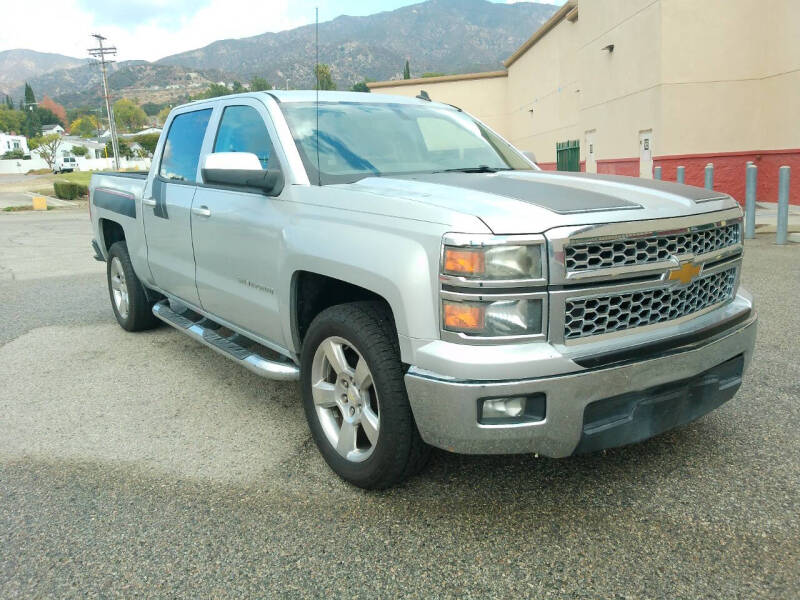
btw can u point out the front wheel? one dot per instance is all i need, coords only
(355, 398)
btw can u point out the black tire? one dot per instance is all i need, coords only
(399, 451)
(140, 310)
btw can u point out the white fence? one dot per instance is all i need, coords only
(84, 164)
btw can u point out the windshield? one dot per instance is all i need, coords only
(359, 140)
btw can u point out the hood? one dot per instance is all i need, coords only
(535, 201)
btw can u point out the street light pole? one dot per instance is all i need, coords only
(100, 54)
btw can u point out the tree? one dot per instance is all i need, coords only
(361, 86)
(30, 98)
(85, 126)
(124, 150)
(12, 154)
(324, 81)
(47, 147)
(148, 141)
(9, 103)
(128, 115)
(32, 125)
(80, 150)
(11, 121)
(215, 90)
(407, 71)
(55, 108)
(163, 114)
(259, 84)
(238, 88)
(46, 116)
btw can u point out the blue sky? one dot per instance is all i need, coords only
(151, 29)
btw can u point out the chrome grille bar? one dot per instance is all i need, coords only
(611, 313)
(643, 250)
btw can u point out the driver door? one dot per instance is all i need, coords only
(237, 232)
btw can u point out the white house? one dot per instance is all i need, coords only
(70, 142)
(52, 128)
(10, 142)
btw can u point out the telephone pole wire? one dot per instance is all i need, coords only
(100, 53)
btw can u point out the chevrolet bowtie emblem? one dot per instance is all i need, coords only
(685, 273)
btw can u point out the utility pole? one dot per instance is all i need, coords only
(100, 54)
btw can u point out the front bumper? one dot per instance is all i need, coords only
(640, 399)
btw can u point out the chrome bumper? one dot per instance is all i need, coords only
(446, 409)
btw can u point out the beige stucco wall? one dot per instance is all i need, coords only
(706, 76)
(484, 98)
(543, 93)
(727, 81)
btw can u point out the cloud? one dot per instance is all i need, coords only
(140, 29)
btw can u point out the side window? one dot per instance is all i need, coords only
(242, 129)
(183, 145)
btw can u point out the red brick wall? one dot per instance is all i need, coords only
(551, 166)
(729, 171)
(619, 166)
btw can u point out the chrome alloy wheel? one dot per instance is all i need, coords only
(345, 399)
(119, 288)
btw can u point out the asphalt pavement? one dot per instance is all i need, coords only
(145, 465)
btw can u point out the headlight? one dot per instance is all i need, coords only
(499, 262)
(493, 318)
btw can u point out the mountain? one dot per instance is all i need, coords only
(450, 36)
(17, 66)
(147, 82)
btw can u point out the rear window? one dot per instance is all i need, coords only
(182, 148)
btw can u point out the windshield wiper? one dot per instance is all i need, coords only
(478, 169)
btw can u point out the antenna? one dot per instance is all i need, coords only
(316, 72)
(100, 54)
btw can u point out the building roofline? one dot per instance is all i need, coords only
(442, 78)
(557, 17)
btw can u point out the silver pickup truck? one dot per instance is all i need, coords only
(424, 281)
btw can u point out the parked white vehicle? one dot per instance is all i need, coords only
(66, 164)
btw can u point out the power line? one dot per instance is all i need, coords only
(100, 53)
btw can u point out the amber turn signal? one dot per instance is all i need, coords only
(459, 316)
(462, 261)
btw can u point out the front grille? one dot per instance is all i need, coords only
(605, 314)
(627, 252)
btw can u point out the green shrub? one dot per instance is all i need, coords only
(66, 190)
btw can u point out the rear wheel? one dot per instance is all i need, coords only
(128, 299)
(355, 398)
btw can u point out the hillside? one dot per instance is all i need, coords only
(17, 66)
(451, 36)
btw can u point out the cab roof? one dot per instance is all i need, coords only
(288, 96)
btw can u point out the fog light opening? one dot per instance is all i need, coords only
(511, 410)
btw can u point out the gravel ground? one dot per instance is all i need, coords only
(139, 465)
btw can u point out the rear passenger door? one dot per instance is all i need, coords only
(167, 204)
(237, 239)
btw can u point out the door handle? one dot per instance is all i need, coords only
(201, 211)
(149, 201)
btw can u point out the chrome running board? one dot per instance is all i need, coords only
(203, 331)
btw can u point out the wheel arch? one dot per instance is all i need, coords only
(111, 232)
(312, 292)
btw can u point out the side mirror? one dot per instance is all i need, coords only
(241, 169)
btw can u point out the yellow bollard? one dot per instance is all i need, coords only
(39, 203)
